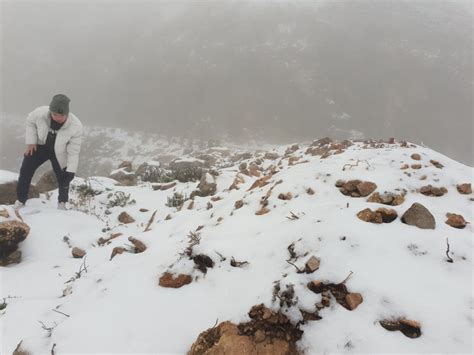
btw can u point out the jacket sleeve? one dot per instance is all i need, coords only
(31, 134)
(73, 149)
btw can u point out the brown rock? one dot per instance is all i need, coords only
(312, 264)
(353, 300)
(433, 191)
(386, 199)
(168, 217)
(419, 216)
(191, 205)
(367, 215)
(388, 214)
(47, 182)
(125, 218)
(356, 188)
(261, 182)
(254, 170)
(206, 187)
(262, 211)
(117, 250)
(12, 258)
(126, 165)
(238, 204)
(4, 213)
(437, 164)
(78, 253)
(237, 181)
(464, 189)
(140, 247)
(416, 166)
(416, 156)
(143, 210)
(8, 193)
(287, 196)
(124, 177)
(271, 156)
(169, 280)
(12, 233)
(310, 191)
(404, 167)
(455, 220)
(409, 328)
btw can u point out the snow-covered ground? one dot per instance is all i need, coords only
(117, 306)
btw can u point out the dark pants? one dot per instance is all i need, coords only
(33, 162)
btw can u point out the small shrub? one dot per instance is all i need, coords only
(177, 200)
(120, 199)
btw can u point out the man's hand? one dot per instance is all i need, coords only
(30, 149)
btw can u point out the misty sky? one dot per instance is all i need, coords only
(284, 71)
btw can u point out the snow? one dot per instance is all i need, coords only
(118, 306)
(7, 176)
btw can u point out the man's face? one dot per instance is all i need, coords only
(58, 117)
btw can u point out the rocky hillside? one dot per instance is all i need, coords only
(352, 246)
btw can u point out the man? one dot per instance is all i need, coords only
(52, 133)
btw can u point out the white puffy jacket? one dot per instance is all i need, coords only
(68, 139)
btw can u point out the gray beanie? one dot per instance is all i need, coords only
(60, 104)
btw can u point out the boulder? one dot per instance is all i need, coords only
(419, 216)
(12, 233)
(186, 170)
(8, 192)
(47, 182)
(126, 166)
(267, 333)
(150, 172)
(124, 177)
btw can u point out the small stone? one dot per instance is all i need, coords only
(125, 218)
(143, 210)
(416, 166)
(455, 220)
(464, 189)
(287, 196)
(117, 250)
(353, 300)
(140, 247)
(78, 253)
(437, 164)
(4, 213)
(238, 204)
(312, 264)
(416, 156)
(404, 167)
(170, 281)
(310, 191)
(262, 211)
(168, 217)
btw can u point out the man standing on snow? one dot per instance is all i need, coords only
(52, 133)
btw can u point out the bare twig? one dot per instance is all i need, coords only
(356, 164)
(450, 260)
(150, 222)
(235, 263)
(52, 349)
(297, 268)
(223, 258)
(48, 329)
(64, 314)
(347, 278)
(79, 273)
(292, 216)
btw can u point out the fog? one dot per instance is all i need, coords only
(282, 71)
